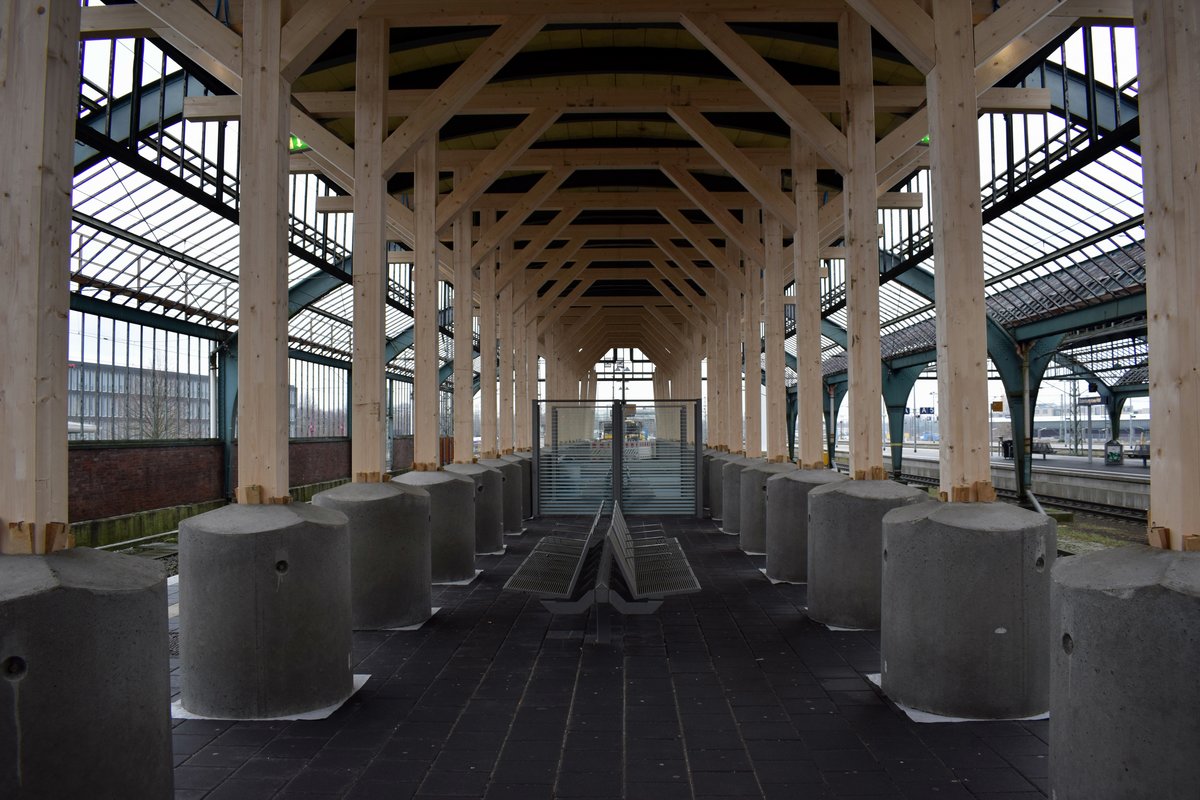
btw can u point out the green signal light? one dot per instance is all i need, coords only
(925, 139)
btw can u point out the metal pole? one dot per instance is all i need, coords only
(618, 445)
(1089, 408)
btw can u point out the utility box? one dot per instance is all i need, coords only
(1114, 453)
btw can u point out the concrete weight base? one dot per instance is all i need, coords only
(753, 505)
(716, 484)
(489, 505)
(966, 604)
(731, 492)
(1123, 689)
(264, 595)
(451, 523)
(512, 481)
(845, 542)
(84, 677)
(525, 459)
(388, 525)
(787, 521)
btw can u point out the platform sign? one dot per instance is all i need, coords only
(1090, 400)
(926, 410)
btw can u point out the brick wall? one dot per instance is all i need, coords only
(108, 480)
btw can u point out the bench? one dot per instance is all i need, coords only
(554, 568)
(1041, 447)
(651, 568)
(1141, 451)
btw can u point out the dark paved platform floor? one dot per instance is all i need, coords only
(729, 693)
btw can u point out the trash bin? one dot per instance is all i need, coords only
(1006, 447)
(1114, 453)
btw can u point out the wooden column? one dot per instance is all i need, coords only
(862, 248)
(425, 307)
(368, 441)
(506, 382)
(773, 283)
(521, 410)
(810, 394)
(752, 341)
(39, 83)
(965, 466)
(488, 416)
(1168, 41)
(711, 432)
(464, 314)
(262, 284)
(734, 419)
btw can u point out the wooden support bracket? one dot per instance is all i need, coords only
(370, 477)
(1191, 543)
(1160, 537)
(425, 467)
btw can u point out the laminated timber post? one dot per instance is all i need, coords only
(965, 467)
(1168, 41)
(810, 394)
(464, 308)
(862, 248)
(488, 415)
(752, 341)
(39, 73)
(262, 285)
(733, 364)
(504, 341)
(425, 302)
(773, 283)
(369, 430)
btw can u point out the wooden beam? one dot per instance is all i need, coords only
(1008, 23)
(368, 388)
(1168, 42)
(111, 22)
(536, 245)
(425, 307)
(470, 76)
(903, 23)
(773, 283)
(716, 211)
(563, 303)
(528, 203)
(313, 29)
(862, 246)
(958, 239)
(752, 296)
(464, 411)
(810, 395)
(504, 341)
(561, 279)
(262, 290)
(733, 364)
(201, 37)
(505, 100)
(730, 158)
(712, 253)
(493, 12)
(495, 163)
(681, 304)
(39, 84)
(793, 107)
(535, 279)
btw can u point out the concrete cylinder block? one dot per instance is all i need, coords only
(388, 525)
(489, 505)
(264, 611)
(753, 504)
(526, 462)
(716, 486)
(787, 521)
(966, 609)
(512, 481)
(1123, 688)
(731, 492)
(451, 523)
(85, 696)
(845, 540)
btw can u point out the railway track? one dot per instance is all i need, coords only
(1099, 509)
(156, 546)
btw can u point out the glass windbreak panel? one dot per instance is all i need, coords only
(658, 464)
(575, 457)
